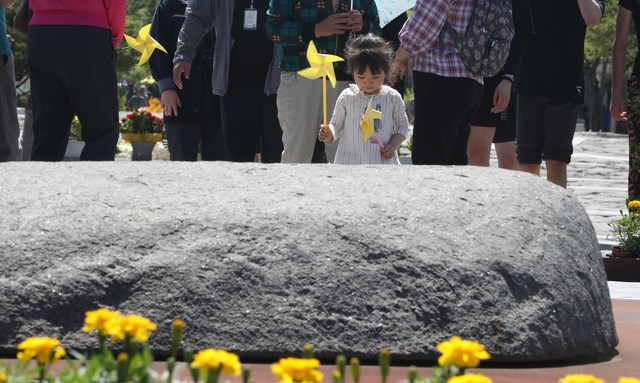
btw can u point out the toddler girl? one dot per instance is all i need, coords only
(368, 58)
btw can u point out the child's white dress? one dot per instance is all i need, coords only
(345, 125)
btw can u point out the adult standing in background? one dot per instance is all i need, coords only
(9, 126)
(446, 92)
(293, 24)
(139, 98)
(551, 85)
(495, 119)
(71, 49)
(390, 33)
(628, 11)
(192, 114)
(244, 73)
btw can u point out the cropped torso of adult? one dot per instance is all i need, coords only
(634, 6)
(553, 63)
(107, 14)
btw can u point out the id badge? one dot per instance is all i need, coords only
(250, 19)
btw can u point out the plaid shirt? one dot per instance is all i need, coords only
(291, 23)
(421, 33)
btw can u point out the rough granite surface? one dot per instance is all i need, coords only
(260, 259)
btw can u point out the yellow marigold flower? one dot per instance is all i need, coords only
(97, 320)
(470, 378)
(634, 205)
(178, 324)
(211, 359)
(3, 377)
(462, 353)
(580, 378)
(133, 326)
(298, 370)
(44, 349)
(624, 379)
(123, 357)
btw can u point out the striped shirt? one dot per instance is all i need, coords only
(421, 34)
(345, 124)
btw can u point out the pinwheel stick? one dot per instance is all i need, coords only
(324, 104)
(380, 144)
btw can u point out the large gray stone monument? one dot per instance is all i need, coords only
(261, 259)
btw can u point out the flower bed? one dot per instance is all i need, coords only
(134, 364)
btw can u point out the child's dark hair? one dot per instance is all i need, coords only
(368, 51)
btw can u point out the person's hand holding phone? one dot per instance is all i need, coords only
(355, 20)
(335, 24)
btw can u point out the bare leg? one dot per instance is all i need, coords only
(479, 145)
(530, 168)
(506, 152)
(557, 173)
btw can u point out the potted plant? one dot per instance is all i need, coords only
(143, 130)
(626, 230)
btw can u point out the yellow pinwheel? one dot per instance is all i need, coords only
(144, 43)
(321, 67)
(367, 124)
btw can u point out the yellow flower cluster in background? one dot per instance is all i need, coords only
(210, 360)
(580, 378)
(135, 365)
(118, 326)
(43, 349)
(297, 370)
(462, 353)
(132, 326)
(470, 378)
(178, 324)
(97, 320)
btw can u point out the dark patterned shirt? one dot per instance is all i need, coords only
(291, 23)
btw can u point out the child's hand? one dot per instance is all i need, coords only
(325, 135)
(388, 151)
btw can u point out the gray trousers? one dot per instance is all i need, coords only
(300, 113)
(9, 126)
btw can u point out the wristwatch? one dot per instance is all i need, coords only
(509, 77)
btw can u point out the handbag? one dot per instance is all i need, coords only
(22, 18)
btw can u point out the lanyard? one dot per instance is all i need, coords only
(251, 5)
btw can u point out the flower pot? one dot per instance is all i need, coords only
(619, 253)
(151, 137)
(132, 137)
(142, 151)
(624, 269)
